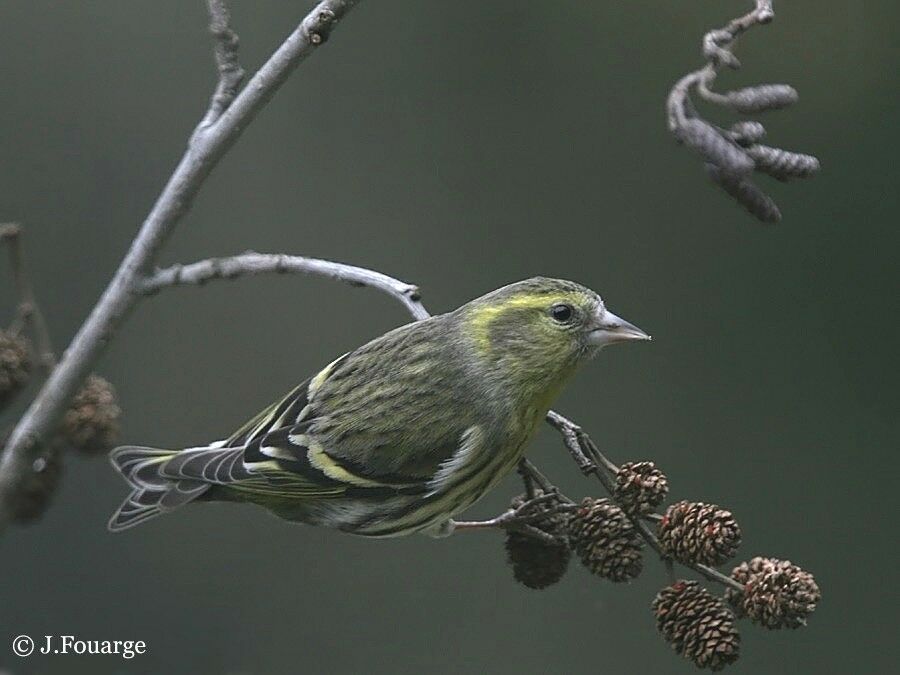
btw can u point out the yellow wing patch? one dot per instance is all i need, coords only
(319, 459)
(316, 383)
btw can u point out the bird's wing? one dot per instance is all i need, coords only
(386, 416)
(395, 410)
(238, 461)
(280, 413)
(292, 461)
(289, 410)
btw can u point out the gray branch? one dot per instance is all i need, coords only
(593, 462)
(731, 155)
(253, 264)
(226, 53)
(209, 143)
(717, 46)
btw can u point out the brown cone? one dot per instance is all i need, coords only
(777, 593)
(91, 424)
(535, 563)
(694, 532)
(605, 540)
(640, 487)
(697, 625)
(15, 364)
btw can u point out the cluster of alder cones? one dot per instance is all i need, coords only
(602, 533)
(90, 425)
(733, 156)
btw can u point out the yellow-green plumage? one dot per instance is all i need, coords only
(401, 434)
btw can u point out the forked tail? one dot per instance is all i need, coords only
(153, 493)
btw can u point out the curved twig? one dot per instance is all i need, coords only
(731, 156)
(717, 50)
(231, 75)
(253, 264)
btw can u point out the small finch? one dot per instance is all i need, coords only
(401, 434)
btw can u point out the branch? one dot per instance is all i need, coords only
(208, 145)
(523, 518)
(226, 53)
(717, 50)
(28, 311)
(731, 155)
(253, 264)
(592, 462)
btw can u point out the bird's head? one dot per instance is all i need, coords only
(543, 327)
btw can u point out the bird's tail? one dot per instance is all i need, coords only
(153, 493)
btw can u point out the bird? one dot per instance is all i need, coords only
(401, 434)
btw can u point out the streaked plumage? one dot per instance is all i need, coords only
(401, 434)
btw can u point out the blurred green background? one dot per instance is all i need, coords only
(463, 145)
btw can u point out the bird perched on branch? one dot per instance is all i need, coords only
(401, 434)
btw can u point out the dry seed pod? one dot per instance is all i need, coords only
(535, 563)
(762, 98)
(777, 593)
(782, 164)
(747, 194)
(605, 540)
(640, 487)
(15, 364)
(694, 532)
(712, 146)
(91, 424)
(697, 625)
(747, 132)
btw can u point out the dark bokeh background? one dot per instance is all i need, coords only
(463, 145)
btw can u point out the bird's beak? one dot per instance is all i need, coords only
(609, 329)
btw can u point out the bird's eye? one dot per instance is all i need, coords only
(562, 312)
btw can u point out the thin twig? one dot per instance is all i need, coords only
(717, 48)
(522, 518)
(670, 571)
(501, 522)
(586, 454)
(28, 311)
(208, 145)
(712, 574)
(226, 53)
(252, 264)
(591, 461)
(527, 479)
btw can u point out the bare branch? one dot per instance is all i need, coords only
(208, 145)
(717, 45)
(585, 452)
(226, 52)
(28, 311)
(591, 461)
(730, 155)
(252, 264)
(525, 517)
